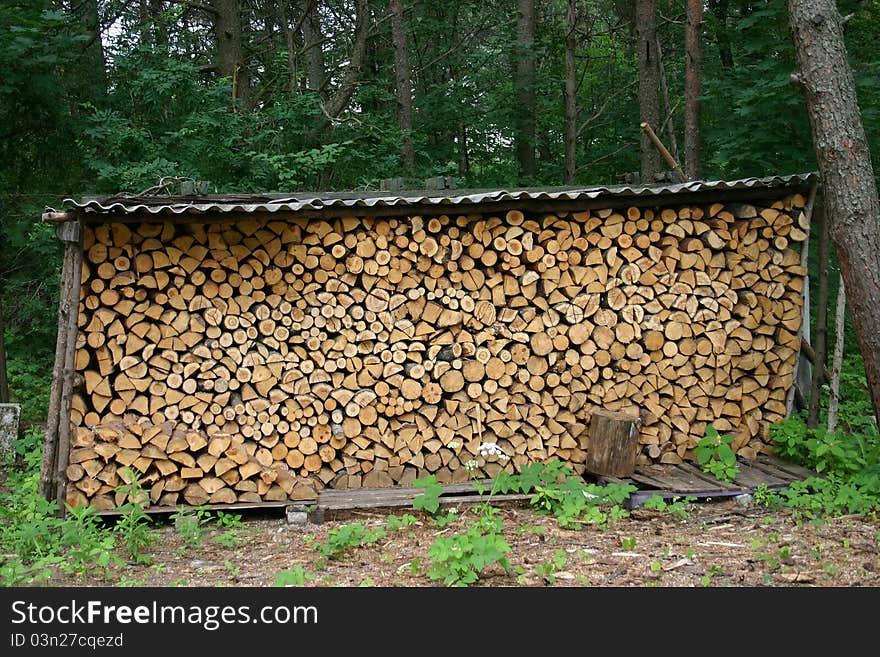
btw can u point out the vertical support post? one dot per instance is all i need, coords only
(819, 345)
(56, 446)
(803, 371)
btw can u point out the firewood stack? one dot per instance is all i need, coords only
(262, 360)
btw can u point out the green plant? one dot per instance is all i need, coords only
(558, 491)
(347, 537)
(548, 569)
(189, 525)
(628, 543)
(764, 496)
(656, 566)
(429, 499)
(133, 525)
(677, 506)
(296, 576)
(232, 569)
(460, 559)
(715, 455)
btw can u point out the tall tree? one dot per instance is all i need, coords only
(403, 83)
(571, 127)
(649, 83)
(230, 50)
(313, 44)
(524, 112)
(844, 160)
(693, 79)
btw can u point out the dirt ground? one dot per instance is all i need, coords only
(718, 544)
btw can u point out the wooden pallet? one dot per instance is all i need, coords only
(686, 480)
(400, 496)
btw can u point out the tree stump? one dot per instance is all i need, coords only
(613, 443)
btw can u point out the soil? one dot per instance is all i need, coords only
(718, 544)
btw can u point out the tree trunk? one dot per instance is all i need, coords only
(571, 127)
(4, 381)
(230, 52)
(402, 82)
(692, 76)
(649, 83)
(352, 75)
(524, 114)
(313, 37)
(853, 210)
(91, 81)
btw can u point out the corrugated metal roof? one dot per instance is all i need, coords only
(316, 201)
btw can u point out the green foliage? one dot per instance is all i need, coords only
(36, 542)
(429, 500)
(557, 491)
(763, 496)
(460, 559)
(677, 506)
(296, 576)
(133, 526)
(347, 537)
(715, 455)
(189, 525)
(548, 569)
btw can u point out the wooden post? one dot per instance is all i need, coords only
(4, 384)
(837, 362)
(614, 443)
(50, 441)
(56, 446)
(819, 343)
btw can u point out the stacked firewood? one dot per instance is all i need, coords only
(262, 360)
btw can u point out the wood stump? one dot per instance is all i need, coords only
(613, 444)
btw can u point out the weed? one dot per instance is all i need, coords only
(678, 506)
(765, 497)
(134, 524)
(460, 559)
(628, 543)
(429, 500)
(232, 569)
(548, 569)
(715, 455)
(347, 537)
(656, 566)
(556, 490)
(189, 525)
(366, 582)
(296, 576)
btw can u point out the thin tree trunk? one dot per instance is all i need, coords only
(837, 360)
(853, 209)
(670, 119)
(402, 82)
(820, 340)
(4, 381)
(649, 83)
(692, 88)
(571, 127)
(525, 91)
(464, 162)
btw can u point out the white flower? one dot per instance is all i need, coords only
(470, 465)
(453, 444)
